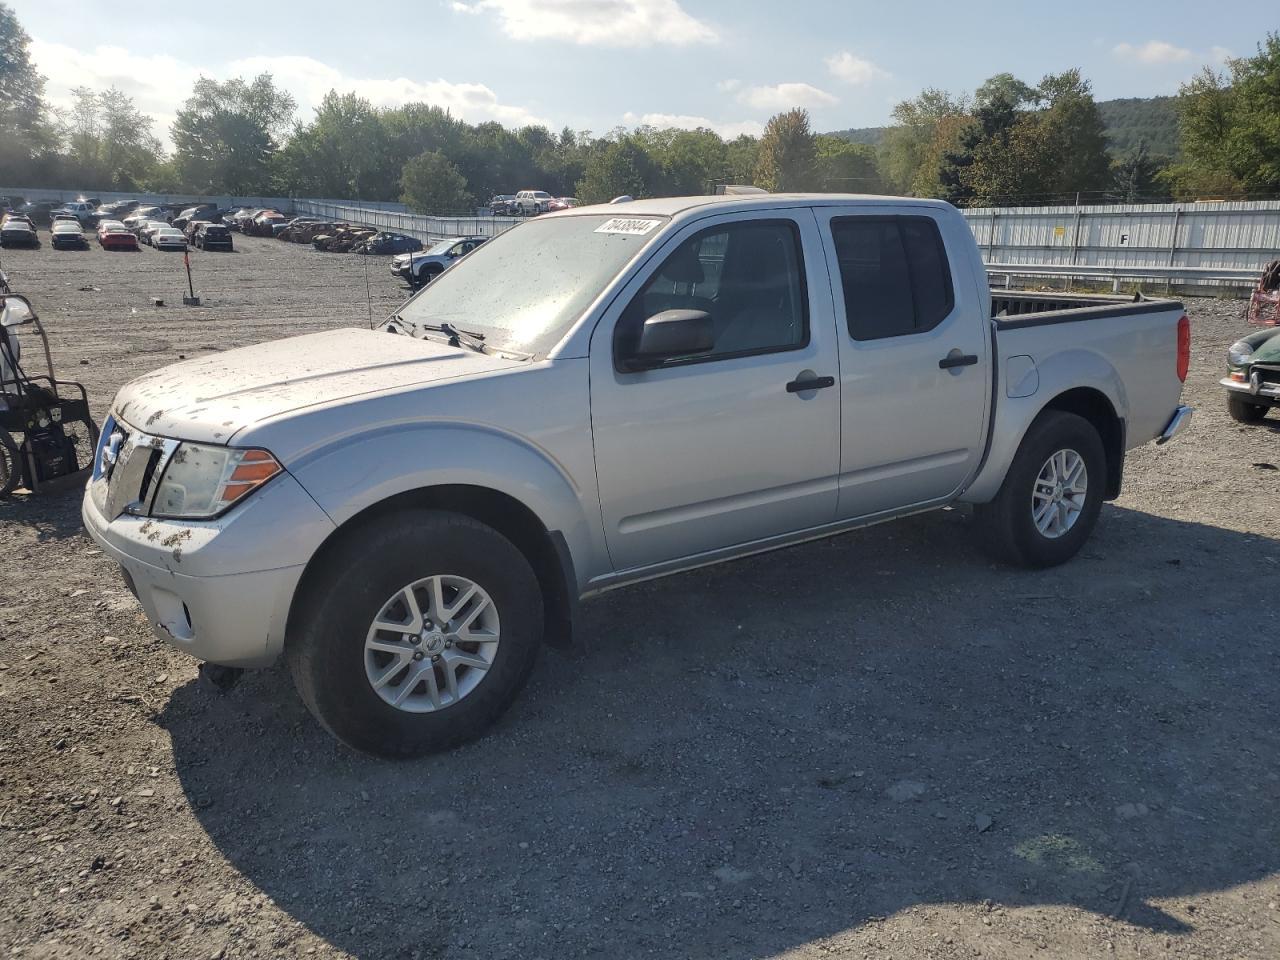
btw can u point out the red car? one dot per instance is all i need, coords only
(114, 235)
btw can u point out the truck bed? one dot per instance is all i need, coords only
(1016, 309)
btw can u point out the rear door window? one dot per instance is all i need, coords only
(893, 274)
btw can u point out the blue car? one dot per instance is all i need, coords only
(388, 243)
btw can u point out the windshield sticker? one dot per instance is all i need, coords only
(629, 225)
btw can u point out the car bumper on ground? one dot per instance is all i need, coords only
(208, 588)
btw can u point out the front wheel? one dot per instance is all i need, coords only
(1052, 494)
(415, 633)
(1242, 411)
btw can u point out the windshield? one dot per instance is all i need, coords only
(526, 287)
(441, 247)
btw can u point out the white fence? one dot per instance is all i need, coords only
(1230, 236)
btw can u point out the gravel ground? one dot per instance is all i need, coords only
(879, 745)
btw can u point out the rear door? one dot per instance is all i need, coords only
(722, 448)
(914, 358)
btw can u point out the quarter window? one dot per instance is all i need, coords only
(748, 276)
(894, 275)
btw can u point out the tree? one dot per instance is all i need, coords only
(925, 131)
(24, 131)
(432, 184)
(1136, 175)
(1073, 137)
(1229, 127)
(108, 140)
(621, 167)
(787, 153)
(226, 134)
(1005, 88)
(844, 167)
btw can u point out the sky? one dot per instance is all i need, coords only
(598, 64)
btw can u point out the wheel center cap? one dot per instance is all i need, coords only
(432, 641)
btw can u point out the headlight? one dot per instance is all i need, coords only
(203, 481)
(1239, 353)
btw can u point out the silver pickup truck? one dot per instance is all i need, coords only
(598, 397)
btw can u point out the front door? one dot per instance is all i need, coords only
(736, 444)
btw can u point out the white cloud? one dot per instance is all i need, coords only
(728, 86)
(309, 80)
(784, 96)
(606, 23)
(854, 70)
(159, 83)
(1153, 52)
(1221, 54)
(679, 121)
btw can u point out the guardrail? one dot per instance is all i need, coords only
(1221, 276)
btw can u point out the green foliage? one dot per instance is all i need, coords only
(787, 155)
(25, 135)
(433, 185)
(621, 167)
(1230, 128)
(1137, 176)
(925, 130)
(108, 141)
(1132, 121)
(226, 134)
(844, 167)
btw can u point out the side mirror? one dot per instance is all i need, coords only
(15, 312)
(672, 333)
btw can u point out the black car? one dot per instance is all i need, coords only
(68, 234)
(201, 211)
(18, 231)
(214, 236)
(37, 211)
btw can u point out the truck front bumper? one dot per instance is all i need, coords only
(1177, 423)
(219, 590)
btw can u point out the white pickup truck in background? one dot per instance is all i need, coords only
(598, 397)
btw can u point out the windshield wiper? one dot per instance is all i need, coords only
(474, 340)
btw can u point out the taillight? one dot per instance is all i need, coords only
(1184, 347)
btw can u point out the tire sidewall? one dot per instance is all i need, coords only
(1053, 432)
(361, 578)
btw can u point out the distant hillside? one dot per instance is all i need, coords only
(1154, 120)
(1129, 120)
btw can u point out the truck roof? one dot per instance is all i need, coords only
(671, 206)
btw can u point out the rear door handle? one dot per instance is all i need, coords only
(958, 360)
(812, 383)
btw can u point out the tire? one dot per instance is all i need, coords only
(363, 578)
(1242, 411)
(1010, 528)
(425, 276)
(10, 464)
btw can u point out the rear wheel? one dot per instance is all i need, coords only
(1242, 411)
(416, 633)
(1052, 494)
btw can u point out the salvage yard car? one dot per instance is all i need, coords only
(114, 235)
(67, 233)
(1253, 376)
(168, 238)
(17, 231)
(600, 397)
(419, 269)
(213, 236)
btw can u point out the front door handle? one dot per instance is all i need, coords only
(810, 383)
(957, 359)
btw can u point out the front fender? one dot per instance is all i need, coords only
(360, 471)
(1058, 373)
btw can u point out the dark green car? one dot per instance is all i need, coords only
(1253, 377)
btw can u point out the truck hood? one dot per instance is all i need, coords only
(211, 398)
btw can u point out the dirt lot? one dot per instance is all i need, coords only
(877, 746)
